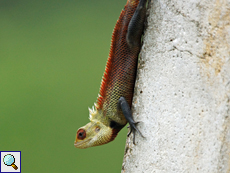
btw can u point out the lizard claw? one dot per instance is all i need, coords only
(128, 115)
(135, 129)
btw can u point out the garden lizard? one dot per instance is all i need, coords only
(112, 108)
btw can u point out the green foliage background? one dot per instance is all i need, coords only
(52, 57)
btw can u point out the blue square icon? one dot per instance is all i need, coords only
(10, 161)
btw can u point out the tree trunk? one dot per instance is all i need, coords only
(182, 92)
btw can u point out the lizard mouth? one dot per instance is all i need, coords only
(80, 144)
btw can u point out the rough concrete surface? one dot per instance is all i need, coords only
(182, 93)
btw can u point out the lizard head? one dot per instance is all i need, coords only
(95, 132)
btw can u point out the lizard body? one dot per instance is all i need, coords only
(112, 109)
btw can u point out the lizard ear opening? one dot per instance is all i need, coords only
(81, 134)
(97, 129)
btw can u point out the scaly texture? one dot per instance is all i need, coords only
(120, 71)
(118, 80)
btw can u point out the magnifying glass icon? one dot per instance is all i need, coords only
(9, 160)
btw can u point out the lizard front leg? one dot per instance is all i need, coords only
(124, 106)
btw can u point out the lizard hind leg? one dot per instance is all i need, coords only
(136, 25)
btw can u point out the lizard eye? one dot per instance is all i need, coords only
(81, 134)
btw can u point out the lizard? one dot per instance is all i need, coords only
(113, 106)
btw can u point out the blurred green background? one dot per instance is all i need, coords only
(52, 57)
